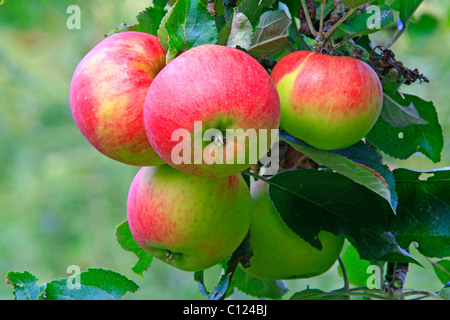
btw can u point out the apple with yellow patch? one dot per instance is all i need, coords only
(330, 102)
(108, 91)
(187, 221)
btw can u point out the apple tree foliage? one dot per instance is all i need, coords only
(382, 212)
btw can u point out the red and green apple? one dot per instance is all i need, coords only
(329, 102)
(212, 111)
(187, 221)
(108, 91)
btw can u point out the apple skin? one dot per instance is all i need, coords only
(107, 95)
(278, 252)
(222, 87)
(199, 221)
(330, 102)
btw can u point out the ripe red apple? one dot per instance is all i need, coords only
(330, 102)
(202, 106)
(189, 222)
(108, 91)
(278, 252)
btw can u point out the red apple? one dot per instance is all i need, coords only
(330, 102)
(189, 222)
(108, 91)
(204, 103)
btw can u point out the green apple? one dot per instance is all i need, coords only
(278, 252)
(330, 102)
(190, 222)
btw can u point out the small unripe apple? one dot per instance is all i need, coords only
(278, 252)
(330, 102)
(107, 95)
(210, 111)
(189, 222)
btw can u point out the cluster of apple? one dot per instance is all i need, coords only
(194, 213)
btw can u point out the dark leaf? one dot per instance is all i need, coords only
(423, 213)
(399, 116)
(442, 269)
(312, 200)
(401, 143)
(348, 164)
(270, 35)
(316, 294)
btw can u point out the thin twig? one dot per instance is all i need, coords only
(425, 294)
(308, 19)
(395, 38)
(337, 24)
(322, 13)
(344, 274)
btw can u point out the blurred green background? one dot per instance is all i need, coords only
(60, 200)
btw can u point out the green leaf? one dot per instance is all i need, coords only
(359, 173)
(399, 116)
(359, 271)
(316, 294)
(148, 20)
(95, 284)
(442, 269)
(241, 31)
(252, 10)
(445, 293)
(355, 3)
(270, 35)
(221, 288)
(423, 213)
(188, 24)
(401, 143)
(424, 27)
(256, 287)
(368, 22)
(366, 155)
(127, 242)
(313, 200)
(199, 278)
(406, 8)
(25, 285)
